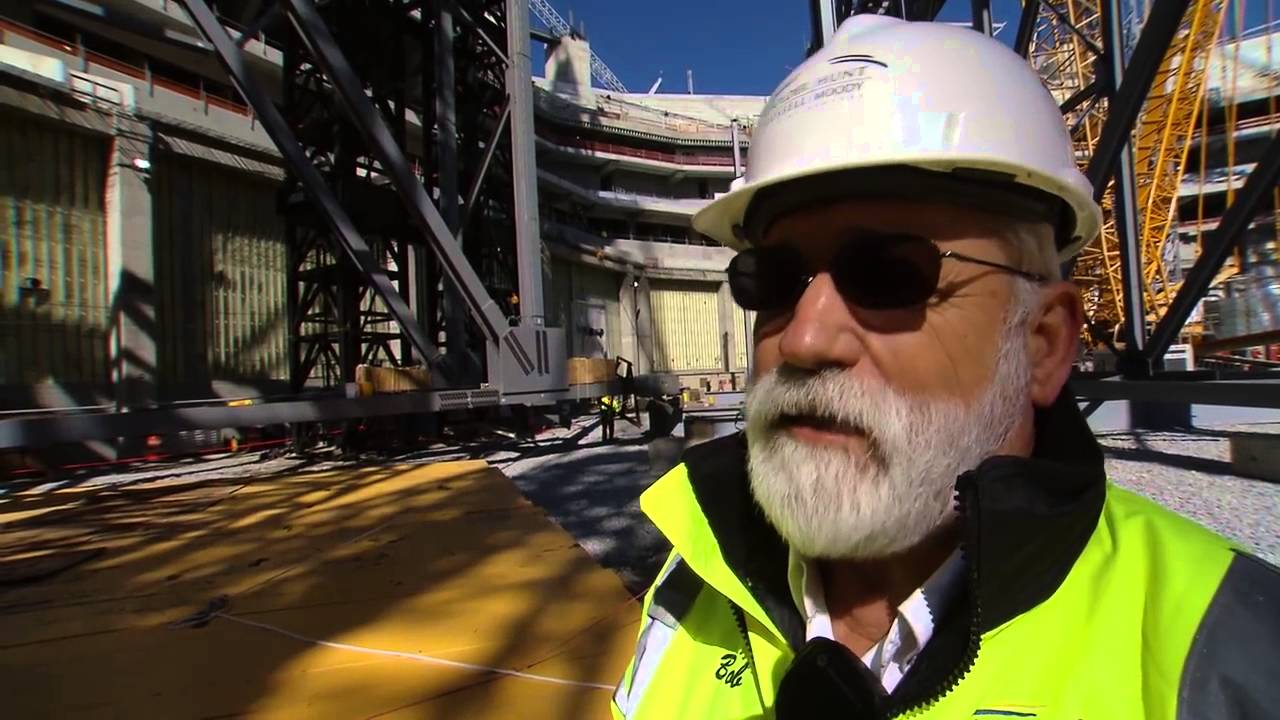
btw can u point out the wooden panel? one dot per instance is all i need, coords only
(339, 591)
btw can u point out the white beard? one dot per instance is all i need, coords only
(832, 503)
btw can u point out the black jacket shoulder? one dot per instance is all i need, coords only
(1233, 668)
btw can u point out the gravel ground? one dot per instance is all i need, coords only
(1190, 473)
(591, 488)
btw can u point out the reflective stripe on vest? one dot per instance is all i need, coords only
(673, 594)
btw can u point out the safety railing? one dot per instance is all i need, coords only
(634, 116)
(121, 67)
(677, 158)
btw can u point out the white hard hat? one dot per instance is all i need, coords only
(909, 109)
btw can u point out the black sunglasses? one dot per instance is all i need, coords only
(876, 272)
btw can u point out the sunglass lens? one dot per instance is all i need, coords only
(764, 279)
(888, 272)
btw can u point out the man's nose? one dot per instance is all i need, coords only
(822, 331)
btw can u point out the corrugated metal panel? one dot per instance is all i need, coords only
(686, 327)
(186, 146)
(53, 230)
(220, 274)
(59, 105)
(559, 296)
(595, 298)
(743, 322)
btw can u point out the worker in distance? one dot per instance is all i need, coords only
(916, 520)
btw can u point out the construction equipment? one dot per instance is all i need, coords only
(1066, 51)
(601, 72)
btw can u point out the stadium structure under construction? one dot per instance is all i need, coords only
(307, 308)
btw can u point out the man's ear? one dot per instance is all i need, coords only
(1053, 340)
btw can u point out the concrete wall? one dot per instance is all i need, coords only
(659, 185)
(568, 68)
(586, 176)
(160, 97)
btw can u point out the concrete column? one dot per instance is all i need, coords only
(531, 263)
(131, 267)
(628, 344)
(643, 324)
(724, 308)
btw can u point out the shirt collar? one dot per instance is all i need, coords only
(913, 623)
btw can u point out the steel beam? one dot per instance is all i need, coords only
(373, 128)
(823, 21)
(1125, 205)
(1026, 27)
(735, 138)
(1158, 31)
(317, 191)
(489, 149)
(46, 431)
(1217, 248)
(1065, 20)
(1084, 114)
(981, 13)
(1234, 393)
(255, 28)
(462, 13)
(1218, 345)
(1247, 362)
(542, 36)
(446, 113)
(524, 166)
(1088, 92)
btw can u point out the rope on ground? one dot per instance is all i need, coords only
(412, 656)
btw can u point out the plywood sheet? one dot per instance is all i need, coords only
(338, 589)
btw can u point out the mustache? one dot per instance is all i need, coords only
(788, 393)
(829, 398)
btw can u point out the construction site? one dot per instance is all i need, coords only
(308, 310)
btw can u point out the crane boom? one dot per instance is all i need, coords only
(1161, 138)
(552, 19)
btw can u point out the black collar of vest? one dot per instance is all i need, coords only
(1026, 520)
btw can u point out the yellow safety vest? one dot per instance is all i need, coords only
(1113, 640)
(1085, 653)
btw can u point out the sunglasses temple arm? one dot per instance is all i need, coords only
(998, 266)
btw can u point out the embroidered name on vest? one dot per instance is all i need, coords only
(732, 668)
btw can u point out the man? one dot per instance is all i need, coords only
(917, 521)
(610, 405)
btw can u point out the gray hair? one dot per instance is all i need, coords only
(1033, 248)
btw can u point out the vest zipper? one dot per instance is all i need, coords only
(741, 621)
(968, 552)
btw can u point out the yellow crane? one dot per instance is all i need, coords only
(1064, 53)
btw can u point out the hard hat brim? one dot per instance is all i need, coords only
(723, 218)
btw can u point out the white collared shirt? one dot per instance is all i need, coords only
(890, 658)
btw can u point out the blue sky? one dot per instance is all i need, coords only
(742, 46)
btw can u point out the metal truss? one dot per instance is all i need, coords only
(337, 322)
(357, 71)
(1134, 123)
(1132, 118)
(560, 28)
